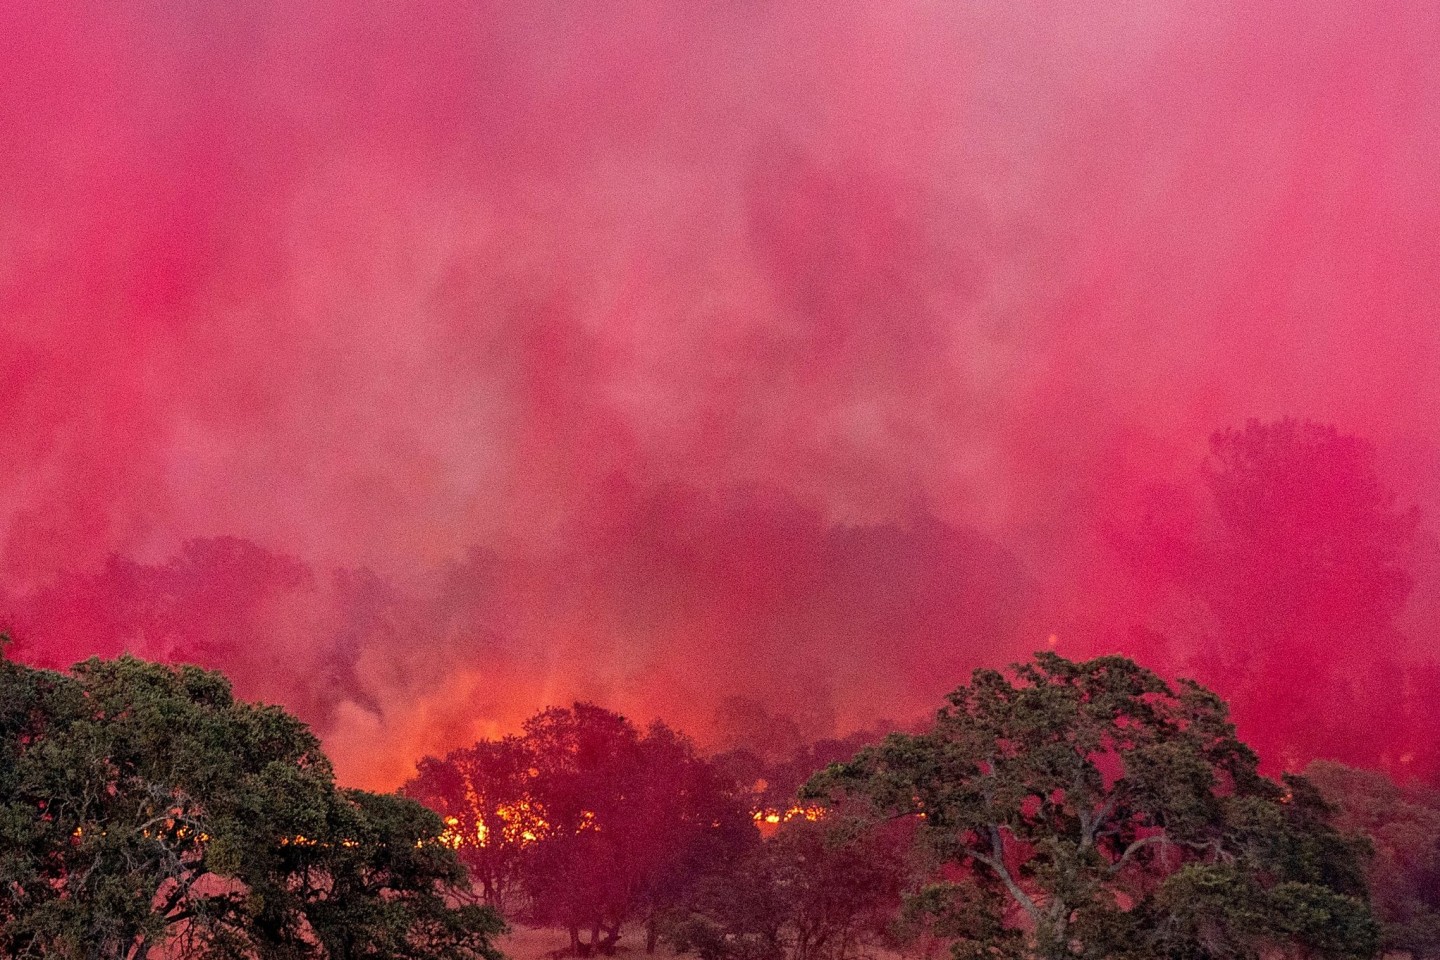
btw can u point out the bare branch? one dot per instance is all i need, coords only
(996, 862)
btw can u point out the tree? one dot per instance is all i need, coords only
(1306, 510)
(690, 820)
(143, 808)
(813, 891)
(1092, 810)
(592, 821)
(1300, 567)
(482, 794)
(1403, 825)
(587, 764)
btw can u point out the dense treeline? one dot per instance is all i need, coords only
(1402, 825)
(1064, 809)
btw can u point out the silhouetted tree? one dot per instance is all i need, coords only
(482, 794)
(587, 762)
(1092, 810)
(605, 824)
(691, 821)
(1296, 572)
(1309, 574)
(142, 808)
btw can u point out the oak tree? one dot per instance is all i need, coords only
(143, 807)
(1093, 810)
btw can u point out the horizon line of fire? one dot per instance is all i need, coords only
(526, 826)
(521, 826)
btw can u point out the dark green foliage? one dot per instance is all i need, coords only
(1403, 825)
(814, 891)
(141, 805)
(1091, 810)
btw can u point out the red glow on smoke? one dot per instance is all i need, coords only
(657, 352)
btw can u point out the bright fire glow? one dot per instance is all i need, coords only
(519, 824)
(768, 819)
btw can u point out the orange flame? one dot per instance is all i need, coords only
(769, 819)
(519, 824)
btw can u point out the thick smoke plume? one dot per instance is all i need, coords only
(424, 364)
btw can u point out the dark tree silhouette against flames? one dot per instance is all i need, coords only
(593, 822)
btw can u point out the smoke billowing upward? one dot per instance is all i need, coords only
(422, 365)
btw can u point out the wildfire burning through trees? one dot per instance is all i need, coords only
(519, 826)
(516, 824)
(526, 462)
(768, 820)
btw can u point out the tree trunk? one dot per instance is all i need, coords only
(612, 937)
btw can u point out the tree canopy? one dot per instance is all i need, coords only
(1088, 810)
(584, 821)
(143, 807)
